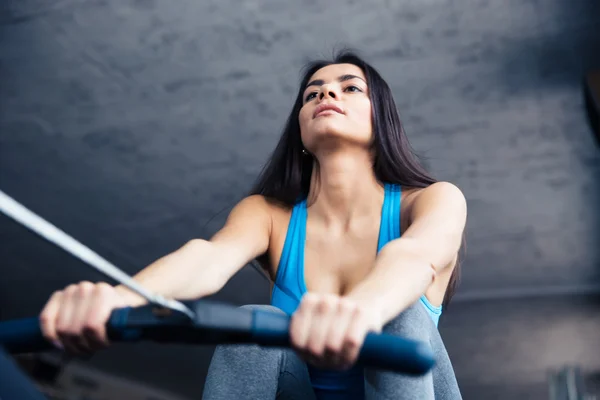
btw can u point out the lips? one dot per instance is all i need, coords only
(327, 107)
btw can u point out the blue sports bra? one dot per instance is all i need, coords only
(290, 286)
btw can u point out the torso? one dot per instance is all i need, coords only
(336, 261)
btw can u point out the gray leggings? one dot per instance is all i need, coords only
(253, 372)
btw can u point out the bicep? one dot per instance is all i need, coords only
(246, 233)
(437, 222)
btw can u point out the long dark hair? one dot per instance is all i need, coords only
(286, 176)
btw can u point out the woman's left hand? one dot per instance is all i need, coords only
(328, 330)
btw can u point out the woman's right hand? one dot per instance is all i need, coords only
(75, 318)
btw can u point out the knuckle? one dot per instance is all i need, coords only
(71, 289)
(324, 306)
(56, 295)
(309, 300)
(346, 305)
(102, 289)
(103, 286)
(328, 303)
(85, 287)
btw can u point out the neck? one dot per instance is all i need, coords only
(343, 187)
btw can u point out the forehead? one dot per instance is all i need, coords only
(334, 71)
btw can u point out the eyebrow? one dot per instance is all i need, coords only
(342, 78)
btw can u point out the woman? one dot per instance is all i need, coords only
(354, 234)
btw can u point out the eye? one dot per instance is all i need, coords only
(309, 96)
(352, 88)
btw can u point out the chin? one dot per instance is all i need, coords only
(333, 130)
(329, 125)
(335, 139)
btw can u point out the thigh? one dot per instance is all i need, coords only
(254, 372)
(440, 383)
(293, 381)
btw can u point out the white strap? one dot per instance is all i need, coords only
(51, 233)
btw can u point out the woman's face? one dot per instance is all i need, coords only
(336, 107)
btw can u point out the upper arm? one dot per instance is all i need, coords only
(246, 233)
(437, 222)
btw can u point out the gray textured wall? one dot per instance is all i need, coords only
(131, 124)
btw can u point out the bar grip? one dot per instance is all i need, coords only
(23, 336)
(218, 323)
(381, 351)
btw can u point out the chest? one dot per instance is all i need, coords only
(336, 260)
(332, 259)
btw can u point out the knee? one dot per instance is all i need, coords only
(248, 352)
(414, 322)
(244, 356)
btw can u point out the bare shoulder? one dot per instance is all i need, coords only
(439, 195)
(258, 206)
(251, 214)
(442, 190)
(254, 204)
(273, 205)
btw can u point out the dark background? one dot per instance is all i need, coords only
(136, 125)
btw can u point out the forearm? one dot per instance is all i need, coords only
(400, 276)
(191, 272)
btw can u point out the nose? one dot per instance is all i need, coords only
(328, 91)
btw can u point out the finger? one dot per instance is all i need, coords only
(66, 326)
(48, 318)
(335, 338)
(64, 316)
(301, 322)
(83, 299)
(323, 317)
(94, 327)
(354, 338)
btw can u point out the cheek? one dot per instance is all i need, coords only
(364, 115)
(303, 117)
(304, 121)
